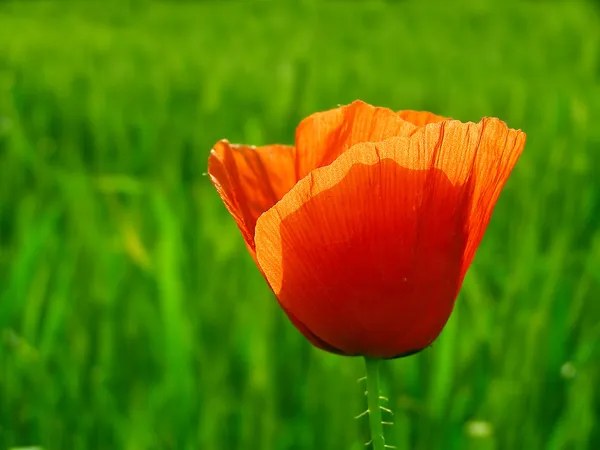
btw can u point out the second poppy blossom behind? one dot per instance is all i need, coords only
(365, 228)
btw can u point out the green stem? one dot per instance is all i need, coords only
(374, 404)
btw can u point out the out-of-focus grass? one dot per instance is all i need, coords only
(130, 314)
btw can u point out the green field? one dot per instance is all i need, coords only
(131, 315)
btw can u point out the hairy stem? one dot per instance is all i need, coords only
(377, 439)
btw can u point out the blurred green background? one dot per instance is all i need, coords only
(131, 315)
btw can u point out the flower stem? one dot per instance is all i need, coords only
(374, 403)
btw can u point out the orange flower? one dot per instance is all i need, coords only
(365, 229)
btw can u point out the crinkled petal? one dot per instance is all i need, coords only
(420, 118)
(250, 180)
(498, 150)
(322, 137)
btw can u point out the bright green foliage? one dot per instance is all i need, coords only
(131, 315)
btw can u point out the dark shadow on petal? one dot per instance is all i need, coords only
(409, 353)
(313, 338)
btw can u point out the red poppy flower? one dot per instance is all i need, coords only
(365, 228)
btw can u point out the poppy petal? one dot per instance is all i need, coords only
(420, 118)
(498, 150)
(369, 252)
(360, 250)
(250, 180)
(322, 137)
